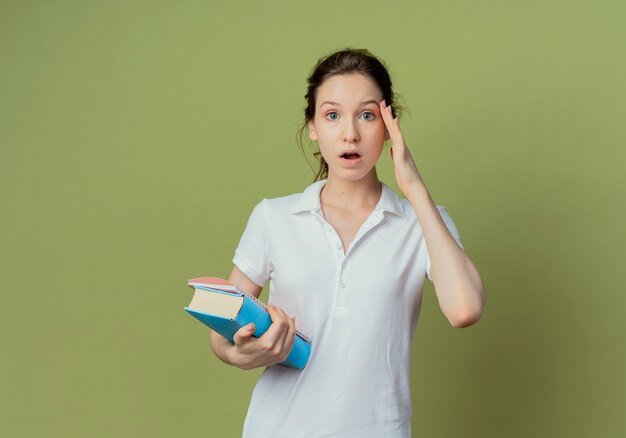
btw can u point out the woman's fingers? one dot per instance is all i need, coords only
(399, 136)
(243, 335)
(277, 332)
(270, 348)
(290, 338)
(275, 344)
(289, 335)
(386, 118)
(393, 127)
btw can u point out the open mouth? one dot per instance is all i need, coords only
(351, 156)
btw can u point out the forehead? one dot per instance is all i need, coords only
(348, 89)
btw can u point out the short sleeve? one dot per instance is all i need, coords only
(251, 256)
(453, 230)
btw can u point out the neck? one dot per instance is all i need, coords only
(365, 192)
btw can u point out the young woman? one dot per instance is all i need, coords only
(346, 260)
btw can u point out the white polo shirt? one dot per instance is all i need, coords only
(360, 309)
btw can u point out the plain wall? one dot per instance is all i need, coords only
(136, 137)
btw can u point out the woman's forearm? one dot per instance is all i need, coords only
(458, 284)
(220, 346)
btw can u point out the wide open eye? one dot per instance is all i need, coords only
(333, 115)
(370, 115)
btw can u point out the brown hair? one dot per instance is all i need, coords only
(345, 61)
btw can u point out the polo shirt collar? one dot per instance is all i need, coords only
(309, 200)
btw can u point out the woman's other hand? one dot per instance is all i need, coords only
(404, 168)
(271, 348)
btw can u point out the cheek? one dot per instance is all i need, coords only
(326, 139)
(378, 132)
(377, 127)
(322, 144)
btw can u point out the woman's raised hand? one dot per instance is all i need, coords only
(405, 170)
(271, 348)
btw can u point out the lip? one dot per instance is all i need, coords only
(350, 163)
(350, 151)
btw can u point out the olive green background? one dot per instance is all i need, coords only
(136, 137)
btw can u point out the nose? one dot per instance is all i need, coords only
(350, 133)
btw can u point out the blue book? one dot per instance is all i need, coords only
(226, 308)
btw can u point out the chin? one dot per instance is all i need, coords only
(353, 175)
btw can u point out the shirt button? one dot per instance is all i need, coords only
(342, 285)
(339, 246)
(328, 229)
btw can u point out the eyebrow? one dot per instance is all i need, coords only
(367, 102)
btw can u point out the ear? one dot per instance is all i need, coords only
(387, 136)
(312, 132)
